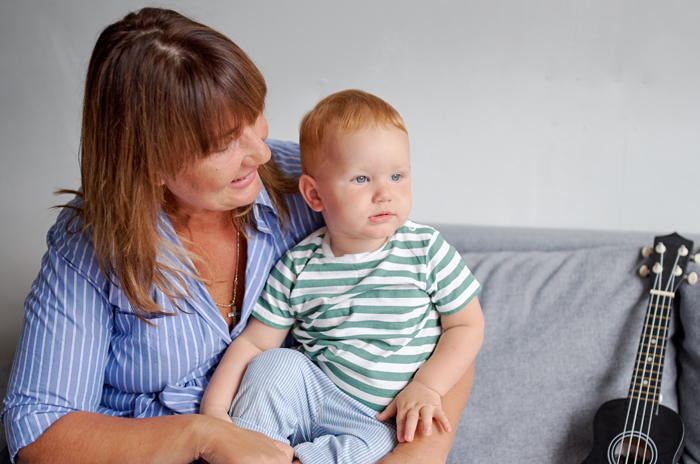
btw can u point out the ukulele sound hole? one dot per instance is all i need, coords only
(633, 449)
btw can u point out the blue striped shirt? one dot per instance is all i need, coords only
(82, 347)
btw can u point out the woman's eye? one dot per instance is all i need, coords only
(360, 179)
(396, 177)
(225, 145)
(219, 150)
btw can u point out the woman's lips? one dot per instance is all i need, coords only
(245, 181)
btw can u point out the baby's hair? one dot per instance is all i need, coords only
(342, 113)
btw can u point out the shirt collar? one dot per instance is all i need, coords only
(264, 211)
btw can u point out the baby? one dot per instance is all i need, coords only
(384, 309)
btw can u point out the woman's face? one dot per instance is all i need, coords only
(227, 178)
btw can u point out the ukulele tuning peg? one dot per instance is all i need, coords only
(695, 258)
(657, 268)
(660, 247)
(682, 251)
(677, 271)
(646, 251)
(644, 270)
(692, 278)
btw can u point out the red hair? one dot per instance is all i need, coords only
(342, 113)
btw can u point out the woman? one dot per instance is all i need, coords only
(153, 269)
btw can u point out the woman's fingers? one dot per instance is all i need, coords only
(224, 443)
(286, 449)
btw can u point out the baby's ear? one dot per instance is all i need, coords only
(307, 187)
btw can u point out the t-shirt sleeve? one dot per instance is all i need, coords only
(274, 307)
(449, 283)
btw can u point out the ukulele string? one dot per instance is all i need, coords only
(635, 378)
(659, 346)
(660, 341)
(644, 395)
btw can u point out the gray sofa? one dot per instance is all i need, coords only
(564, 312)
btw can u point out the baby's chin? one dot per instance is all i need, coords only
(381, 233)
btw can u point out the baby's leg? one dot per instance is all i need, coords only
(346, 431)
(288, 398)
(271, 397)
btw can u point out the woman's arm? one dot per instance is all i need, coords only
(59, 374)
(434, 448)
(84, 437)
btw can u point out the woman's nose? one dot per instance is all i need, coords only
(254, 137)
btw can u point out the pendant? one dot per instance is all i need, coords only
(232, 313)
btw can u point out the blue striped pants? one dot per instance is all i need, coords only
(288, 398)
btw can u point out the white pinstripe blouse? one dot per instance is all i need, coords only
(81, 346)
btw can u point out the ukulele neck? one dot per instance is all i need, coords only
(670, 256)
(649, 364)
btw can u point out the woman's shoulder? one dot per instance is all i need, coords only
(68, 239)
(286, 155)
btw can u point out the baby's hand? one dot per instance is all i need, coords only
(415, 402)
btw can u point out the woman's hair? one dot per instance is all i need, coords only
(342, 113)
(161, 92)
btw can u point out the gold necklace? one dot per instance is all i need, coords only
(232, 304)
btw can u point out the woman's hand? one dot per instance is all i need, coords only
(91, 438)
(223, 443)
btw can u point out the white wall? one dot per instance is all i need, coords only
(545, 113)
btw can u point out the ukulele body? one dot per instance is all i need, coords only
(665, 438)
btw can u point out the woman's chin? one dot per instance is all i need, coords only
(246, 196)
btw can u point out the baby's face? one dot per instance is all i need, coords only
(365, 186)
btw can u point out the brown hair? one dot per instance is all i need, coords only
(161, 92)
(343, 113)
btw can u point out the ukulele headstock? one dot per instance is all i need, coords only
(670, 256)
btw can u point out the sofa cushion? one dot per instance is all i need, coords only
(689, 367)
(562, 331)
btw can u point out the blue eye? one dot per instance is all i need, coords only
(396, 177)
(360, 179)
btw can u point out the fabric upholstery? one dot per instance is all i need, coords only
(562, 330)
(689, 367)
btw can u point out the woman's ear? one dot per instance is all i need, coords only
(307, 187)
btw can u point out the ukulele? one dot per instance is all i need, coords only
(638, 429)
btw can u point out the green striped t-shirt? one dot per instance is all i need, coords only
(369, 320)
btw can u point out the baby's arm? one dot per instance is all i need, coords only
(256, 338)
(454, 354)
